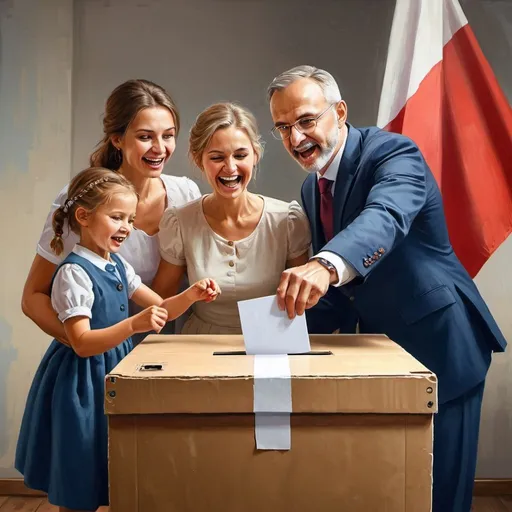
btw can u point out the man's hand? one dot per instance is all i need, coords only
(302, 287)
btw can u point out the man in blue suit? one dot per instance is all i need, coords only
(383, 260)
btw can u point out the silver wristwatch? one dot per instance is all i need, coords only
(325, 263)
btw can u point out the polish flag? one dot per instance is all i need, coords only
(440, 91)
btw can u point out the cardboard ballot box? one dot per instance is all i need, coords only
(182, 429)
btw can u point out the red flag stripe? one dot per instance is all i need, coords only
(462, 122)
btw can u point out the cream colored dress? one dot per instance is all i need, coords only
(244, 269)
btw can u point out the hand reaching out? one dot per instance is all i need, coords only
(151, 319)
(205, 290)
(302, 287)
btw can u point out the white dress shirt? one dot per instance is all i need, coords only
(345, 271)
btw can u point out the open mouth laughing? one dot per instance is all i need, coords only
(230, 181)
(305, 151)
(153, 162)
(118, 240)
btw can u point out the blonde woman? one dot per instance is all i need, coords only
(242, 240)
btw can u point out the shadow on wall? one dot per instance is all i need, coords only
(8, 354)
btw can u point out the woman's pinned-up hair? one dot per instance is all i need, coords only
(217, 117)
(123, 105)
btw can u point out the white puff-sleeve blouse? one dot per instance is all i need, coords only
(72, 290)
(244, 269)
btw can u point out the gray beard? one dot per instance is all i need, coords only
(326, 154)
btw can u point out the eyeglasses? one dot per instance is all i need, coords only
(303, 125)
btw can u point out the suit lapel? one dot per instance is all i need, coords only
(345, 176)
(312, 206)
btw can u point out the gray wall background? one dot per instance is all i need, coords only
(54, 80)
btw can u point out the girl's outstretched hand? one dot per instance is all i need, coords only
(205, 290)
(151, 319)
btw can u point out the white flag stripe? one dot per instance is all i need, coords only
(418, 35)
(454, 19)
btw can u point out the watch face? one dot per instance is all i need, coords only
(327, 264)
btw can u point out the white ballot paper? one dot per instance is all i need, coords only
(267, 330)
(270, 335)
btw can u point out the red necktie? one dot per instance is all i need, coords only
(326, 213)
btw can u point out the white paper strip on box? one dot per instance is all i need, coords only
(272, 402)
(270, 335)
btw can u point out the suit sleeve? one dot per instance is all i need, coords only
(397, 193)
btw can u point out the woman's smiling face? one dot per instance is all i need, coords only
(228, 162)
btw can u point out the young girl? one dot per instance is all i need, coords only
(141, 124)
(62, 447)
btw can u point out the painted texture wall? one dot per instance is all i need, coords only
(202, 51)
(35, 160)
(205, 51)
(491, 21)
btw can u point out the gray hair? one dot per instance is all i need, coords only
(323, 78)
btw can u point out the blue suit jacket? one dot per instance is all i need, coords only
(389, 225)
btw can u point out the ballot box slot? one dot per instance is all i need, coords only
(150, 367)
(243, 353)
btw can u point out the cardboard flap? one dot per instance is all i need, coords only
(350, 374)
